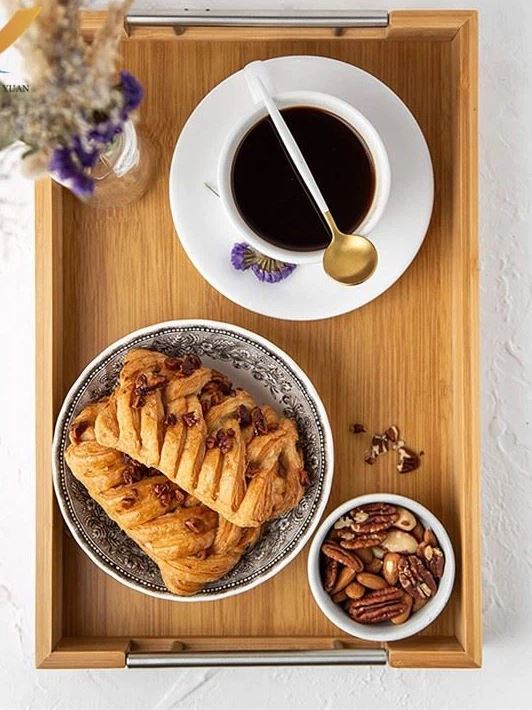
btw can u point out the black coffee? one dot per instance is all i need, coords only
(270, 195)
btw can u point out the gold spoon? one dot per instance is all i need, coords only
(349, 258)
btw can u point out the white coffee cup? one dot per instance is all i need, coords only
(334, 106)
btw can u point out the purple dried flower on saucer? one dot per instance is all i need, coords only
(243, 257)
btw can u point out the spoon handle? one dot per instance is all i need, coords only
(260, 94)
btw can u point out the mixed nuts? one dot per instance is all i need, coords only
(380, 563)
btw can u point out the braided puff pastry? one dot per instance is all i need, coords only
(213, 441)
(191, 544)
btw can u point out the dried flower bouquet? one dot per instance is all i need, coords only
(78, 102)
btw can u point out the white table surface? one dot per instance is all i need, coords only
(506, 322)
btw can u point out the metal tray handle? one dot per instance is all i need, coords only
(261, 18)
(332, 657)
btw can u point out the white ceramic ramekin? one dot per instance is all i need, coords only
(385, 631)
(332, 105)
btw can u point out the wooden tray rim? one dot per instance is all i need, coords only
(52, 650)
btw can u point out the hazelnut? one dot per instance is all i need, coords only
(400, 541)
(406, 520)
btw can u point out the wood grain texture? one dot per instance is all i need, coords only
(409, 358)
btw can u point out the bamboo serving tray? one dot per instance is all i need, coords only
(408, 358)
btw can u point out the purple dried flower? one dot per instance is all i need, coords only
(132, 92)
(88, 157)
(66, 165)
(269, 270)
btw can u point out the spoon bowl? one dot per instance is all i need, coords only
(350, 258)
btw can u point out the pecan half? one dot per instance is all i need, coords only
(415, 578)
(373, 517)
(364, 540)
(330, 574)
(377, 606)
(433, 559)
(335, 552)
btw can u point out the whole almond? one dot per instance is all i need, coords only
(400, 541)
(371, 581)
(355, 590)
(419, 604)
(430, 538)
(401, 618)
(345, 576)
(390, 569)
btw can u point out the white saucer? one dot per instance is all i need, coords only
(207, 235)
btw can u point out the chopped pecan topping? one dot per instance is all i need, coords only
(149, 382)
(344, 557)
(77, 430)
(415, 578)
(222, 440)
(190, 364)
(173, 363)
(357, 429)
(183, 365)
(408, 460)
(170, 419)
(304, 478)
(380, 605)
(195, 525)
(190, 419)
(131, 498)
(243, 415)
(252, 469)
(134, 472)
(222, 383)
(258, 420)
(167, 493)
(373, 517)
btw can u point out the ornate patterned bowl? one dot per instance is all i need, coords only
(272, 377)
